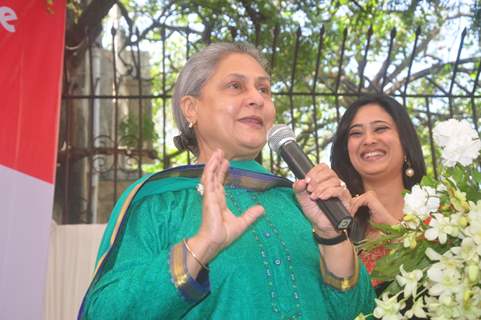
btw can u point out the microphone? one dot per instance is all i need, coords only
(282, 140)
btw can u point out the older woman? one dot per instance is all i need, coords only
(225, 239)
(377, 153)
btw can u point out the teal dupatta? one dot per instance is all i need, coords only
(244, 174)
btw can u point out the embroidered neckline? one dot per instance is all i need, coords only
(272, 232)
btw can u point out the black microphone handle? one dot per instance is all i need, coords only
(336, 212)
(300, 164)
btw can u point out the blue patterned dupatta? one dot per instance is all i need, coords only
(243, 174)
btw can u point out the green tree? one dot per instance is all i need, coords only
(322, 53)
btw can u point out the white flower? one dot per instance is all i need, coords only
(417, 309)
(464, 152)
(421, 201)
(468, 251)
(440, 227)
(442, 309)
(459, 141)
(458, 222)
(409, 280)
(475, 208)
(444, 131)
(441, 188)
(446, 262)
(410, 240)
(474, 217)
(444, 283)
(445, 274)
(469, 298)
(474, 229)
(472, 272)
(388, 308)
(411, 221)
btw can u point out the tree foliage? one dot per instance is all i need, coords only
(322, 53)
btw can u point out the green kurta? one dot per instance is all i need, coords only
(270, 272)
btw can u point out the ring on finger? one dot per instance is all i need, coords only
(200, 189)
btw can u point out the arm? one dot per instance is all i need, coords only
(346, 286)
(322, 183)
(348, 304)
(135, 279)
(141, 280)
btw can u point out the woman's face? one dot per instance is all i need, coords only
(373, 144)
(234, 110)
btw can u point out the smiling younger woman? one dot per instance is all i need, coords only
(377, 153)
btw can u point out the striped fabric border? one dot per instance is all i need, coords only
(342, 284)
(190, 289)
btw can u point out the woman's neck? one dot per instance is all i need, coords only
(205, 153)
(389, 193)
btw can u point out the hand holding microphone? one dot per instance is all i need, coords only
(282, 140)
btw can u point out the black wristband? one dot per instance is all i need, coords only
(329, 241)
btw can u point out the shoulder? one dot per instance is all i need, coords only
(168, 201)
(154, 191)
(169, 180)
(155, 198)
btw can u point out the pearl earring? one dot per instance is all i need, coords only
(409, 172)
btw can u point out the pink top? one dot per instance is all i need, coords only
(369, 258)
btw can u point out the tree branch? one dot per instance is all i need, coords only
(422, 47)
(89, 23)
(431, 70)
(404, 63)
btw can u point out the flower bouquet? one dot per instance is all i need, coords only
(433, 264)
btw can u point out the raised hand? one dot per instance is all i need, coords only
(219, 227)
(378, 213)
(321, 182)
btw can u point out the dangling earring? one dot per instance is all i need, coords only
(409, 172)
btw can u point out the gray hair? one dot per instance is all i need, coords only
(198, 69)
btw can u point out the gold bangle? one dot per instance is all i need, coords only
(341, 283)
(192, 290)
(195, 256)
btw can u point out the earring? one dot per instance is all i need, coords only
(409, 172)
(191, 124)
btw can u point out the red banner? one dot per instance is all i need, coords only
(31, 50)
(32, 36)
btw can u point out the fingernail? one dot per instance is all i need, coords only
(308, 179)
(322, 196)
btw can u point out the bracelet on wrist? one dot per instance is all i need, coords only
(196, 258)
(329, 241)
(192, 290)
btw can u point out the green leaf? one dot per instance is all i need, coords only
(393, 288)
(389, 229)
(429, 181)
(388, 266)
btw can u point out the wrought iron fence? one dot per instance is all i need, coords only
(122, 92)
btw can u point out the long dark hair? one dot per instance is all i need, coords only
(342, 165)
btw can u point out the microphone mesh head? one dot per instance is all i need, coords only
(278, 135)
